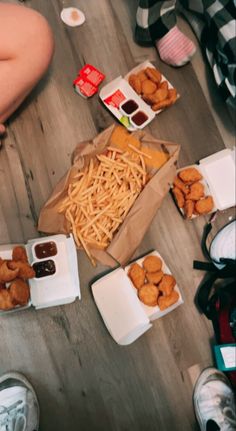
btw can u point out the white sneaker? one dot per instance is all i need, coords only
(19, 408)
(214, 401)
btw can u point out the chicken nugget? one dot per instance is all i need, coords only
(196, 191)
(137, 275)
(148, 294)
(5, 300)
(152, 263)
(188, 208)
(179, 197)
(19, 292)
(161, 105)
(203, 206)
(172, 95)
(166, 301)
(153, 74)
(7, 273)
(19, 253)
(142, 75)
(167, 284)
(180, 184)
(135, 83)
(190, 175)
(154, 277)
(148, 87)
(163, 85)
(25, 271)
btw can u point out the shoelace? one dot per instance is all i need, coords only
(12, 418)
(230, 416)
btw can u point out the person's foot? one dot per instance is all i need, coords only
(19, 409)
(175, 48)
(214, 401)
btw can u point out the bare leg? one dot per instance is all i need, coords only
(25, 55)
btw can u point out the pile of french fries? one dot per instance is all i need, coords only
(101, 195)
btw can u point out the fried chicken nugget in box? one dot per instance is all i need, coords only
(5, 300)
(196, 191)
(148, 87)
(25, 271)
(152, 263)
(179, 197)
(137, 275)
(135, 83)
(188, 208)
(19, 292)
(154, 277)
(19, 253)
(142, 75)
(163, 85)
(180, 184)
(167, 284)
(166, 301)
(153, 74)
(190, 175)
(204, 206)
(148, 294)
(7, 273)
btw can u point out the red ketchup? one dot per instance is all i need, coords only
(139, 118)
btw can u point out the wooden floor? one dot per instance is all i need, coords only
(85, 381)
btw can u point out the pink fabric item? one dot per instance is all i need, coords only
(175, 48)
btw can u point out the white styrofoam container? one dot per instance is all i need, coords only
(124, 315)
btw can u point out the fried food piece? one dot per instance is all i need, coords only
(161, 105)
(172, 95)
(148, 294)
(158, 96)
(190, 175)
(148, 87)
(7, 273)
(167, 284)
(137, 275)
(152, 263)
(2, 286)
(180, 184)
(25, 271)
(19, 292)
(188, 208)
(121, 139)
(166, 301)
(196, 191)
(204, 206)
(153, 74)
(179, 197)
(142, 75)
(5, 300)
(154, 277)
(163, 85)
(155, 158)
(19, 253)
(135, 83)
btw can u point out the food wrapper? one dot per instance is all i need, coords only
(137, 221)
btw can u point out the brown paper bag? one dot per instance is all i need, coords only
(136, 223)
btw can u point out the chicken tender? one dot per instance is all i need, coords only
(179, 197)
(166, 301)
(154, 277)
(167, 284)
(7, 273)
(148, 87)
(153, 74)
(19, 292)
(19, 253)
(188, 208)
(148, 294)
(204, 206)
(25, 271)
(137, 275)
(135, 83)
(190, 175)
(152, 263)
(180, 184)
(5, 300)
(196, 191)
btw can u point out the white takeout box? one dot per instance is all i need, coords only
(63, 287)
(218, 171)
(123, 85)
(124, 315)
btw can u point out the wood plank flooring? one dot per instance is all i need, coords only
(85, 381)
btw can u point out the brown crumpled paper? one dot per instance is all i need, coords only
(136, 223)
